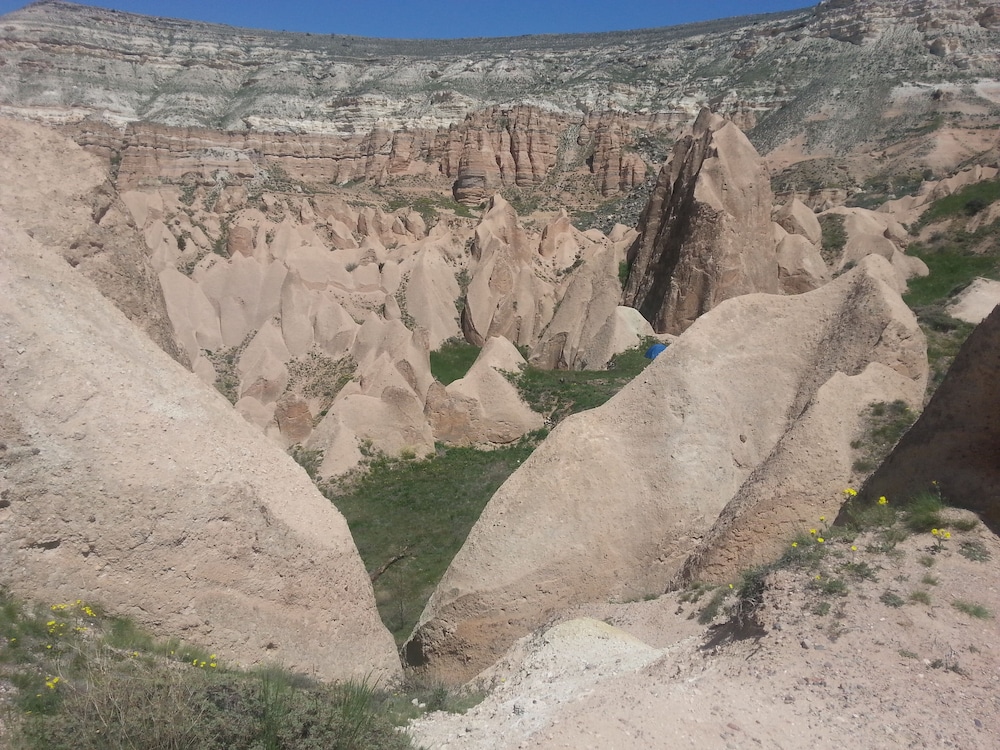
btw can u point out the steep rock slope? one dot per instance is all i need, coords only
(706, 233)
(956, 440)
(62, 196)
(616, 499)
(129, 483)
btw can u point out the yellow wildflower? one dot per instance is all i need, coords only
(883, 501)
(812, 532)
(820, 540)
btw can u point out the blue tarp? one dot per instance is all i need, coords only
(653, 351)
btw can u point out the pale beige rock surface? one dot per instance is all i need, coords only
(617, 498)
(646, 674)
(505, 297)
(589, 327)
(795, 217)
(483, 407)
(974, 303)
(61, 195)
(800, 265)
(128, 483)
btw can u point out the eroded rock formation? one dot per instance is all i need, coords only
(129, 483)
(617, 498)
(706, 234)
(956, 440)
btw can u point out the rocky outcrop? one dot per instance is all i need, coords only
(800, 264)
(589, 327)
(875, 233)
(130, 484)
(616, 499)
(483, 407)
(388, 107)
(976, 301)
(505, 297)
(955, 442)
(706, 234)
(61, 196)
(506, 146)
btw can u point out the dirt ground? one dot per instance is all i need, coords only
(889, 662)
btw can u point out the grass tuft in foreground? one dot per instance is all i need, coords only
(83, 681)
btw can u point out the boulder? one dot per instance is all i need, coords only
(976, 301)
(800, 265)
(131, 485)
(617, 498)
(705, 235)
(955, 442)
(795, 217)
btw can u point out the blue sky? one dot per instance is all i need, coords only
(445, 18)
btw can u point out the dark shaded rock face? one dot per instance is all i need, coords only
(705, 235)
(956, 441)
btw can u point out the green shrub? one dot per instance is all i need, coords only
(923, 512)
(834, 237)
(891, 599)
(973, 610)
(974, 551)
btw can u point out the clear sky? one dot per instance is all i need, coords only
(441, 19)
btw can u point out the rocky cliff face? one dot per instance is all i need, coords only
(839, 77)
(955, 442)
(613, 502)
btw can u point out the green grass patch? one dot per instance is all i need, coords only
(882, 426)
(973, 610)
(968, 201)
(920, 597)
(951, 270)
(923, 512)
(834, 237)
(413, 516)
(84, 681)
(453, 360)
(559, 393)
